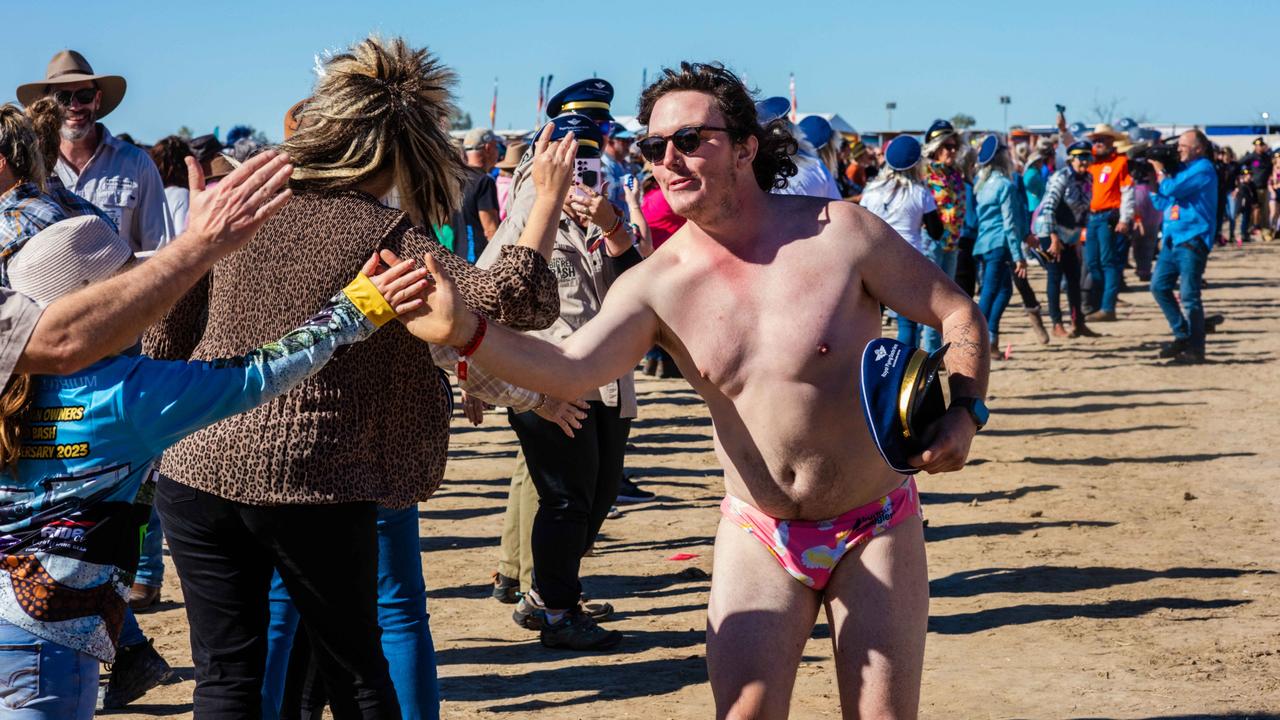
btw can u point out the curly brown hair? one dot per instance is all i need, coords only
(772, 164)
(382, 105)
(20, 146)
(46, 117)
(170, 156)
(13, 403)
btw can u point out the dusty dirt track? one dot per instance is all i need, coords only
(1110, 553)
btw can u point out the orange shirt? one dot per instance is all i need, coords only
(1109, 176)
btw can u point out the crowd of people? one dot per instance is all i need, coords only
(533, 274)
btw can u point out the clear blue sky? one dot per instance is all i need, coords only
(220, 64)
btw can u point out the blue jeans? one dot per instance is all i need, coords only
(1182, 265)
(1068, 266)
(41, 680)
(151, 562)
(996, 270)
(914, 334)
(402, 615)
(931, 339)
(1102, 257)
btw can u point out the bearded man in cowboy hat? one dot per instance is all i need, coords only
(1110, 214)
(114, 175)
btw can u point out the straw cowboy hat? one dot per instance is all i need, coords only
(1103, 130)
(70, 66)
(515, 151)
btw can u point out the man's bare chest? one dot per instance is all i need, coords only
(785, 321)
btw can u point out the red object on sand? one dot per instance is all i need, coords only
(1008, 351)
(683, 556)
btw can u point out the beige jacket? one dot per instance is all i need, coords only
(583, 277)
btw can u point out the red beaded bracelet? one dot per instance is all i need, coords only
(470, 348)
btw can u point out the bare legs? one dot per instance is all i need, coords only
(759, 619)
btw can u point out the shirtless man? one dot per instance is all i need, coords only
(766, 303)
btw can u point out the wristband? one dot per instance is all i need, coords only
(542, 402)
(365, 296)
(472, 345)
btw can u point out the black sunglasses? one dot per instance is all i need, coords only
(84, 96)
(687, 140)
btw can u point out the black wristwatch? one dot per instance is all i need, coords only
(975, 407)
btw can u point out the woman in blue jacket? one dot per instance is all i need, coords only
(998, 250)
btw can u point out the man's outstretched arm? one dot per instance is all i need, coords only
(79, 329)
(606, 348)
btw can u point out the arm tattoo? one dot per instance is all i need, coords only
(963, 341)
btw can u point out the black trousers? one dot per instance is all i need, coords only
(966, 267)
(577, 481)
(327, 556)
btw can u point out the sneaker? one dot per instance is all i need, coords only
(142, 597)
(1187, 357)
(137, 669)
(530, 613)
(578, 631)
(614, 513)
(506, 590)
(1172, 349)
(629, 492)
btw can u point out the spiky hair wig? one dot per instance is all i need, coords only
(379, 105)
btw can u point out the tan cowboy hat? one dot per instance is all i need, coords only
(515, 151)
(1104, 130)
(70, 66)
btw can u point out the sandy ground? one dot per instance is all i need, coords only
(1111, 552)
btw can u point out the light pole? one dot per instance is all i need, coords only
(889, 108)
(1004, 103)
(1266, 122)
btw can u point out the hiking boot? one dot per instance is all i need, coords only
(1101, 316)
(629, 492)
(506, 590)
(577, 631)
(598, 611)
(137, 669)
(1037, 324)
(1082, 330)
(1172, 349)
(142, 597)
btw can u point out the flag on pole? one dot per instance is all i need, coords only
(644, 78)
(794, 108)
(493, 107)
(542, 98)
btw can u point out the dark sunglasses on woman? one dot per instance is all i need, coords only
(84, 96)
(687, 140)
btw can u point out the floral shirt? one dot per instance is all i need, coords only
(947, 185)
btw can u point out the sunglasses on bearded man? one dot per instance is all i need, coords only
(84, 96)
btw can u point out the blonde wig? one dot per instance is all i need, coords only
(20, 147)
(381, 105)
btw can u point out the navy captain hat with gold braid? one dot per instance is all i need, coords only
(901, 398)
(588, 97)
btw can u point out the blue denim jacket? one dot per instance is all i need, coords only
(1189, 201)
(1000, 220)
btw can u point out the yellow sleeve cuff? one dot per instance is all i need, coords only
(369, 301)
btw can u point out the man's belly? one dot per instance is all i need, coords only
(801, 454)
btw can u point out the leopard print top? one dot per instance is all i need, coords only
(373, 425)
